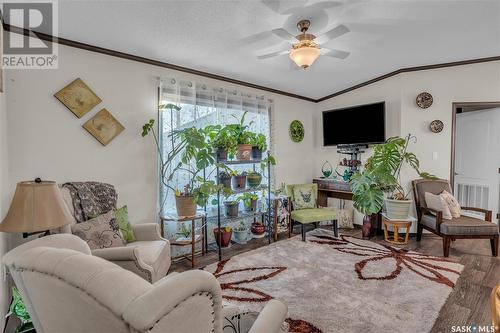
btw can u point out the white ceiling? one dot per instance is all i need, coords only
(225, 37)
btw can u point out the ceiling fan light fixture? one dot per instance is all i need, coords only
(304, 53)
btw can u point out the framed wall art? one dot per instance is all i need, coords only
(104, 127)
(78, 97)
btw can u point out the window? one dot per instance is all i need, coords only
(202, 105)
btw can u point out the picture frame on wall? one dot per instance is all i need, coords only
(78, 97)
(104, 127)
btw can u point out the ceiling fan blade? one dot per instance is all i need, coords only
(336, 53)
(284, 7)
(255, 38)
(272, 54)
(332, 34)
(282, 33)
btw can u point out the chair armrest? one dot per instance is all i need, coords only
(437, 213)
(147, 231)
(166, 294)
(122, 253)
(270, 318)
(487, 213)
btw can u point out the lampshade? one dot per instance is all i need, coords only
(36, 206)
(304, 56)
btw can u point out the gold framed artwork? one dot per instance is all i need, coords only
(78, 97)
(104, 127)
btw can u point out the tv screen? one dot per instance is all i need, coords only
(363, 124)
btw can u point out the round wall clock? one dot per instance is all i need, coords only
(296, 131)
(424, 100)
(437, 126)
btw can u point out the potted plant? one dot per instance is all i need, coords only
(258, 229)
(259, 144)
(190, 153)
(380, 181)
(231, 206)
(225, 178)
(240, 233)
(253, 178)
(184, 233)
(249, 201)
(239, 180)
(243, 138)
(223, 236)
(222, 140)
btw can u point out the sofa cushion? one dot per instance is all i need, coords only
(313, 215)
(121, 215)
(100, 232)
(304, 196)
(465, 225)
(437, 202)
(453, 204)
(149, 251)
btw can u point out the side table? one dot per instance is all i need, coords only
(194, 237)
(396, 225)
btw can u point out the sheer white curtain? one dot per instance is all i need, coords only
(204, 105)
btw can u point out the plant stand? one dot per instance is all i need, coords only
(396, 225)
(194, 237)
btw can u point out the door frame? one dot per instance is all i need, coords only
(455, 106)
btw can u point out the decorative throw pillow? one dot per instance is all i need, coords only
(453, 204)
(304, 197)
(438, 203)
(121, 215)
(345, 218)
(100, 232)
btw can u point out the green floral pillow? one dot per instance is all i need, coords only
(304, 197)
(121, 215)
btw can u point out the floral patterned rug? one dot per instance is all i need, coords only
(340, 284)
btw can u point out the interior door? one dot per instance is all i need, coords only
(477, 159)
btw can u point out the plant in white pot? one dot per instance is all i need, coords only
(380, 181)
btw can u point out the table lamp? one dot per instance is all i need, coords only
(37, 207)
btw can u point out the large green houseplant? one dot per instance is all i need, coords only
(380, 181)
(243, 137)
(190, 152)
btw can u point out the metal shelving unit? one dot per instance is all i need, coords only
(221, 220)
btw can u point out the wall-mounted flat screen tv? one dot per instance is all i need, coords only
(363, 124)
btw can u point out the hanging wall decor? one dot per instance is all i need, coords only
(104, 127)
(436, 126)
(424, 100)
(296, 131)
(78, 97)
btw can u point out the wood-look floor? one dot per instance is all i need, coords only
(468, 303)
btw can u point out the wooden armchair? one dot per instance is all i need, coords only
(464, 227)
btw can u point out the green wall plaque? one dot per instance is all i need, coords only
(296, 131)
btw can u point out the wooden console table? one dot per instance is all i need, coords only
(326, 191)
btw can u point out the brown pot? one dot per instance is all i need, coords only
(244, 152)
(252, 206)
(258, 229)
(226, 182)
(185, 205)
(221, 154)
(223, 238)
(367, 227)
(239, 182)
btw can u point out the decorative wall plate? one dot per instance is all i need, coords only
(436, 126)
(296, 131)
(424, 100)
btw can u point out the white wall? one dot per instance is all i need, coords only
(46, 140)
(468, 83)
(4, 204)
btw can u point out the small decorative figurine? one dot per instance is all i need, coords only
(327, 169)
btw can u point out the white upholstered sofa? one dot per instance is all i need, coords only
(148, 256)
(66, 289)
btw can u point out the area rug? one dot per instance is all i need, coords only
(340, 284)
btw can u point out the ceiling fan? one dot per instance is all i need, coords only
(306, 47)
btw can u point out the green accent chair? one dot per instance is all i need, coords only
(304, 209)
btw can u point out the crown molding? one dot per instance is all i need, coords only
(118, 54)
